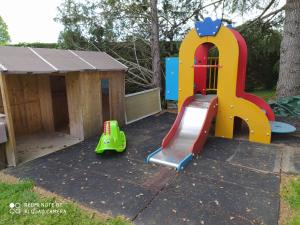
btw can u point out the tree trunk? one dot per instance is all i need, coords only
(289, 69)
(155, 51)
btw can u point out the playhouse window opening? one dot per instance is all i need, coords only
(212, 71)
(60, 104)
(206, 69)
(105, 99)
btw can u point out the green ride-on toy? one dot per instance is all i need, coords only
(112, 138)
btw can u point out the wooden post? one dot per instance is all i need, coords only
(117, 96)
(46, 103)
(74, 105)
(91, 103)
(11, 143)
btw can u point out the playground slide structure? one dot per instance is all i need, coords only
(188, 133)
(224, 75)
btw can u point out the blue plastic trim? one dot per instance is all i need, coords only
(152, 154)
(184, 162)
(208, 27)
(281, 127)
(171, 90)
(230, 25)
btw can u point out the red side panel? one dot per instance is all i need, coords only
(242, 78)
(242, 68)
(201, 56)
(175, 125)
(261, 103)
(201, 139)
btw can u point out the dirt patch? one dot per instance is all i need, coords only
(285, 211)
(174, 111)
(8, 178)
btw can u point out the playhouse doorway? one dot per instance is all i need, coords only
(39, 113)
(60, 104)
(206, 69)
(105, 93)
(240, 129)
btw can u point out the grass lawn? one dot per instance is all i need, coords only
(265, 94)
(20, 204)
(291, 196)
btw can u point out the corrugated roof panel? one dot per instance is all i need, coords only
(42, 60)
(101, 60)
(63, 60)
(22, 60)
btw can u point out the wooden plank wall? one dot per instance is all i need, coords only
(59, 103)
(85, 101)
(91, 103)
(30, 103)
(46, 102)
(25, 103)
(74, 105)
(3, 160)
(116, 94)
(1, 105)
(10, 145)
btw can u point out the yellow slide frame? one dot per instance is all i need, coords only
(229, 105)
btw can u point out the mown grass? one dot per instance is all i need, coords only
(265, 94)
(69, 213)
(291, 195)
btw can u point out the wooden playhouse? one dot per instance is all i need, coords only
(55, 98)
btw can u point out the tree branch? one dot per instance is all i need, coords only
(266, 9)
(273, 13)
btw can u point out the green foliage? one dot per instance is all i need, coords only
(122, 29)
(263, 42)
(82, 25)
(295, 220)
(72, 39)
(289, 106)
(176, 17)
(119, 20)
(247, 7)
(23, 193)
(4, 35)
(292, 195)
(37, 45)
(265, 94)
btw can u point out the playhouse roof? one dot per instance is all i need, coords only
(20, 60)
